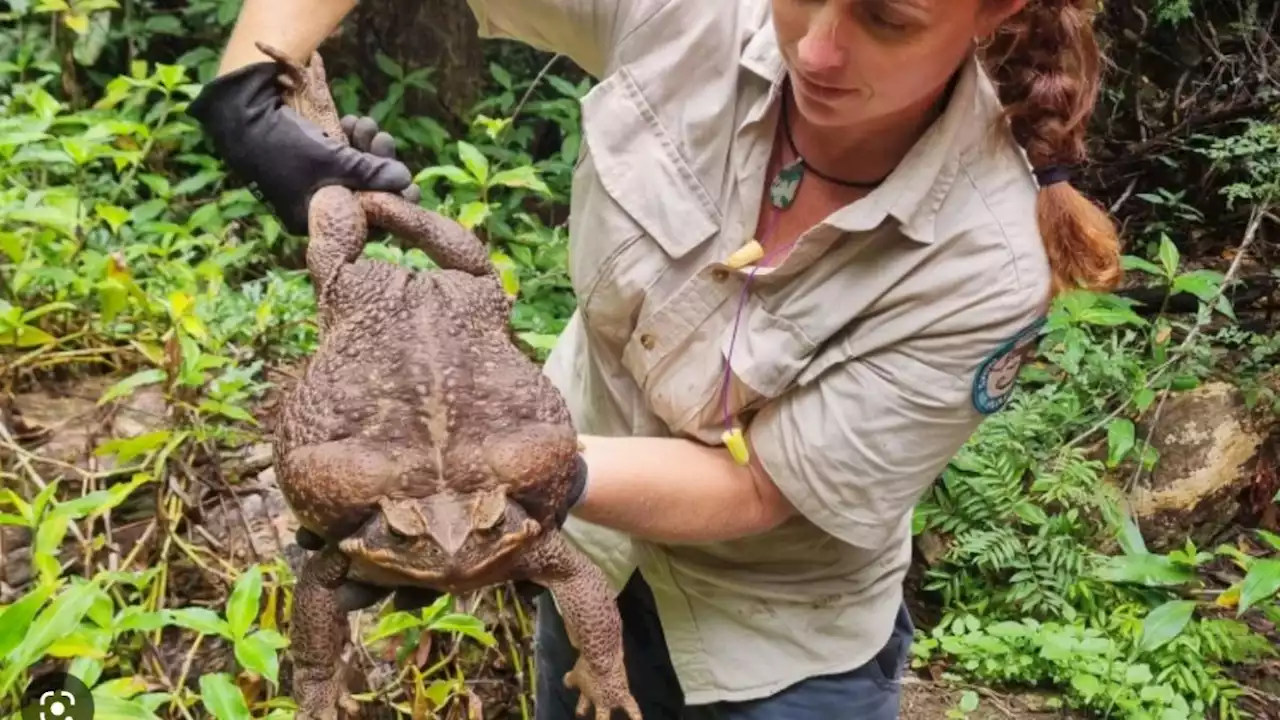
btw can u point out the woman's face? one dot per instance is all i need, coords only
(854, 61)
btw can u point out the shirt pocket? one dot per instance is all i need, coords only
(637, 204)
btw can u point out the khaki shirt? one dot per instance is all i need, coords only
(865, 355)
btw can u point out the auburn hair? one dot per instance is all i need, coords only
(1046, 65)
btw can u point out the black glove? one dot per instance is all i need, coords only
(289, 158)
(575, 491)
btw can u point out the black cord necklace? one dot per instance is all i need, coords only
(786, 183)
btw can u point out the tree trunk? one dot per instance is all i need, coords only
(438, 35)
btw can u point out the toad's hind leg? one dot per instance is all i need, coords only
(318, 635)
(592, 622)
(338, 231)
(445, 241)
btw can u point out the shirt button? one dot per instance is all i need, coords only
(719, 275)
(647, 341)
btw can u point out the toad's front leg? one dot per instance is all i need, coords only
(592, 622)
(319, 634)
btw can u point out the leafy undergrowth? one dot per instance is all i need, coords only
(131, 264)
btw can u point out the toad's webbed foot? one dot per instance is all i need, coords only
(592, 622)
(307, 91)
(318, 636)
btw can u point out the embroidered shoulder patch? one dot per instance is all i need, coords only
(996, 377)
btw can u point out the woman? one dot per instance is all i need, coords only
(810, 245)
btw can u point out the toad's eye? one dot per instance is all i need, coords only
(490, 526)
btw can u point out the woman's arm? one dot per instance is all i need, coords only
(672, 490)
(297, 27)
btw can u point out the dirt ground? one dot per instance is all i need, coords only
(924, 700)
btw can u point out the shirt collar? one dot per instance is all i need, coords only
(915, 190)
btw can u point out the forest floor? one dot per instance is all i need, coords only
(245, 522)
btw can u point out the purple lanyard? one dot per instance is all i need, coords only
(732, 436)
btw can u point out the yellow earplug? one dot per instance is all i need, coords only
(737, 445)
(745, 255)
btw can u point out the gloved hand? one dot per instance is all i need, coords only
(576, 491)
(288, 157)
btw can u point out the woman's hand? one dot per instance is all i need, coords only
(285, 155)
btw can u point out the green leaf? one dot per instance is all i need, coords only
(1086, 684)
(115, 215)
(60, 618)
(1201, 283)
(473, 213)
(1139, 674)
(27, 336)
(272, 638)
(1131, 537)
(131, 383)
(1165, 623)
(126, 448)
(233, 412)
(107, 707)
(202, 620)
(468, 625)
(1270, 538)
(171, 76)
(452, 173)
(164, 24)
(257, 654)
(1143, 398)
(1130, 262)
(1110, 317)
(388, 65)
(15, 620)
(1149, 570)
(1168, 256)
(242, 608)
(1260, 583)
(392, 623)
(223, 698)
(521, 177)
(475, 161)
(137, 618)
(1120, 437)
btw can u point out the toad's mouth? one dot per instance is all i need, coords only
(450, 571)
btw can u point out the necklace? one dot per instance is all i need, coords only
(786, 183)
(782, 193)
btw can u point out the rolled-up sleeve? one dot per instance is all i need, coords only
(586, 31)
(854, 450)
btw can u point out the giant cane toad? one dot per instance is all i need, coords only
(420, 442)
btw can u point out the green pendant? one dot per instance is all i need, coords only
(786, 184)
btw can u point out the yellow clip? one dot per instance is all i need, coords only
(745, 255)
(737, 445)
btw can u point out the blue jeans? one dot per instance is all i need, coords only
(870, 692)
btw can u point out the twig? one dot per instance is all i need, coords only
(537, 79)
(1124, 195)
(244, 521)
(39, 482)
